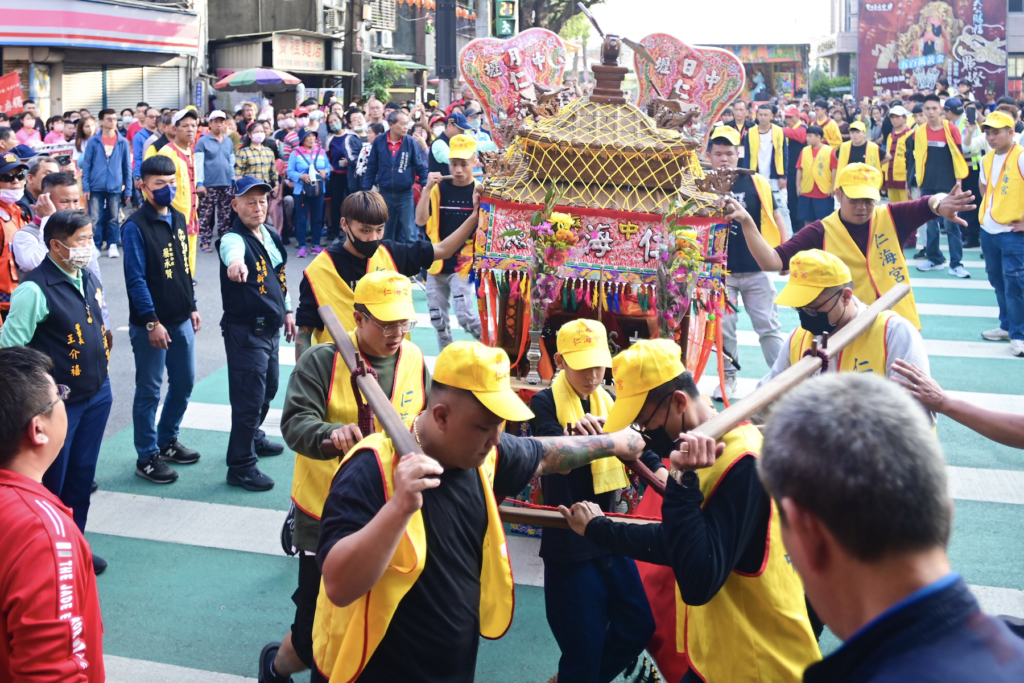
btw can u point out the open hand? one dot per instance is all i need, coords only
(415, 473)
(922, 387)
(957, 200)
(289, 328)
(580, 515)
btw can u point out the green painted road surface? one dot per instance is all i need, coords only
(197, 582)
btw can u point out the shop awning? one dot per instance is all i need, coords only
(412, 66)
(319, 72)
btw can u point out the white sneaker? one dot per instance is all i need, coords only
(112, 252)
(730, 389)
(928, 265)
(1017, 347)
(998, 334)
(959, 271)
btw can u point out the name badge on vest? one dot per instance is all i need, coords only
(4, 215)
(933, 143)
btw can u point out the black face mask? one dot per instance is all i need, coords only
(365, 248)
(818, 324)
(659, 441)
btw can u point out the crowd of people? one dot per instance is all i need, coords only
(402, 559)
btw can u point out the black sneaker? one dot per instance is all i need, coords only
(251, 480)
(920, 255)
(156, 471)
(288, 532)
(266, 448)
(99, 565)
(95, 486)
(267, 657)
(176, 452)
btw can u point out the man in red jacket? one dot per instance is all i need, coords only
(51, 628)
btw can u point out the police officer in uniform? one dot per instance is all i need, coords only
(256, 306)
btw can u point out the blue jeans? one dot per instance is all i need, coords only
(103, 208)
(599, 615)
(956, 244)
(71, 475)
(180, 361)
(1004, 263)
(401, 225)
(309, 210)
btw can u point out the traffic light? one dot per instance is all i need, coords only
(504, 18)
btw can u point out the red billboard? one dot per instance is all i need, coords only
(911, 43)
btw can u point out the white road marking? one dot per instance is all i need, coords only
(123, 329)
(958, 311)
(125, 670)
(949, 282)
(215, 417)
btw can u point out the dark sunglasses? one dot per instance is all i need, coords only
(11, 177)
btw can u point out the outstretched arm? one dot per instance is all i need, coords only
(564, 453)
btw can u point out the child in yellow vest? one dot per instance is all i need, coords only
(895, 162)
(596, 606)
(858, 150)
(415, 564)
(320, 406)
(445, 205)
(740, 610)
(814, 176)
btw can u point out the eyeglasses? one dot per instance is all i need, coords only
(394, 329)
(62, 395)
(813, 312)
(642, 430)
(12, 177)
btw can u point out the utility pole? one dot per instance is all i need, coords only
(447, 70)
(352, 53)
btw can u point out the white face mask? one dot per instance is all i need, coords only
(258, 136)
(11, 196)
(78, 257)
(303, 121)
(316, 115)
(288, 123)
(438, 130)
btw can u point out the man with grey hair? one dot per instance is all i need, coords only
(866, 518)
(38, 167)
(393, 165)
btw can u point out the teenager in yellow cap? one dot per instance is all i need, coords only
(740, 608)
(412, 550)
(867, 237)
(321, 405)
(331, 277)
(858, 150)
(596, 605)
(444, 206)
(822, 291)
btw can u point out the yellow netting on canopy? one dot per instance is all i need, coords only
(611, 157)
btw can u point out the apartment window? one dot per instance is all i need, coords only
(1016, 6)
(1014, 74)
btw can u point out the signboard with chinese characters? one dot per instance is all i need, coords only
(910, 44)
(709, 77)
(11, 100)
(298, 52)
(502, 72)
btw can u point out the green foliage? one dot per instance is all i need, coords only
(381, 76)
(822, 88)
(551, 199)
(578, 27)
(551, 14)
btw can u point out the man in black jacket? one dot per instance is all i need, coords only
(256, 305)
(163, 320)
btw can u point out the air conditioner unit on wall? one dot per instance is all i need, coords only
(386, 39)
(334, 20)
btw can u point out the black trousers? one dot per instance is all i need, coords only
(337, 189)
(972, 233)
(304, 597)
(253, 372)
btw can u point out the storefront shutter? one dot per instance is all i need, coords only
(124, 88)
(162, 88)
(83, 88)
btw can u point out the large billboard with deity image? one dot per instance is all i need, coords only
(912, 43)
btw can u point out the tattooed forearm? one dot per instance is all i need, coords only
(564, 453)
(303, 340)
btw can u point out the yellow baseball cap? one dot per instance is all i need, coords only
(810, 272)
(860, 181)
(727, 132)
(645, 365)
(584, 344)
(485, 372)
(461, 147)
(858, 125)
(998, 119)
(387, 295)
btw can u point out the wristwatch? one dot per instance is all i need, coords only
(152, 326)
(934, 202)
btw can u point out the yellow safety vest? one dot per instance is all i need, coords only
(755, 148)
(312, 479)
(866, 353)
(833, 136)
(609, 473)
(433, 227)
(1008, 200)
(871, 156)
(769, 229)
(756, 627)
(817, 169)
(883, 268)
(329, 288)
(899, 156)
(921, 152)
(345, 638)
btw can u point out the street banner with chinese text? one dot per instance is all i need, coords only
(910, 44)
(10, 93)
(502, 73)
(709, 77)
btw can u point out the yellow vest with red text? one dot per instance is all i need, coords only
(756, 627)
(816, 169)
(1005, 191)
(871, 156)
(312, 479)
(883, 268)
(345, 638)
(921, 153)
(866, 353)
(899, 156)
(329, 289)
(755, 147)
(833, 136)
